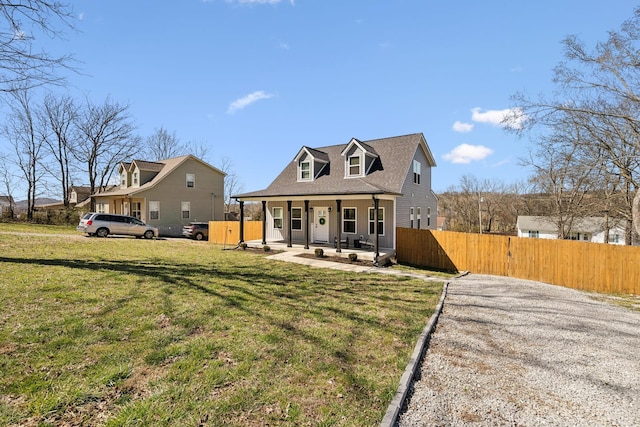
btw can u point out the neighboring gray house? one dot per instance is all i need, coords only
(589, 229)
(167, 194)
(330, 194)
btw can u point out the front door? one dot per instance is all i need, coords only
(321, 225)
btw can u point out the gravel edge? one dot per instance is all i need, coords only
(397, 403)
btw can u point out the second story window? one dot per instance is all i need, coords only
(416, 172)
(191, 180)
(135, 178)
(354, 166)
(305, 171)
(123, 180)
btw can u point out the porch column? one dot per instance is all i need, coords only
(289, 227)
(264, 222)
(306, 224)
(339, 209)
(376, 205)
(241, 222)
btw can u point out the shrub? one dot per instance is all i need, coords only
(266, 248)
(319, 252)
(243, 246)
(353, 257)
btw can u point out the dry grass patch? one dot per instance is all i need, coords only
(121, 332)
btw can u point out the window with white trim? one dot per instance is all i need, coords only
(154, 210)
(191, 180)
(186, 210)
(296, 218)
(428, 217)
(534, 233)
(354, 166)
(349, 224)
(410, 217)
(305, 171)
(101, 207)
(277, 218)
(123, 180)
(135, 178)
(136, 210)
(372, 221)
(418, 215)
(416, 172)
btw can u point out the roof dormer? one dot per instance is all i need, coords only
(310, 163)
(358, 159)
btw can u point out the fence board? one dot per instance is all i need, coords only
(580, 265)
(228, 232)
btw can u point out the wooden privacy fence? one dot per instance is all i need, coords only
(228, 232)
(580, 265)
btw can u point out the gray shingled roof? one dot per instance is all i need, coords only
(386, 177)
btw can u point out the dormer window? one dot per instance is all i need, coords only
(305, 171)
(354, 166)
(135, 178)
(123, 179)
(416, 172)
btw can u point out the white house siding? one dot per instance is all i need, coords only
(418, 195)
(362, 221)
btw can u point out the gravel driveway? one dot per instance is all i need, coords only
(520, 353)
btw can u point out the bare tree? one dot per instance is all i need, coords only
(57, 117)
(164, 145)
(232, 184)
(598, 97)
(105, 138)
(21, 22)
(20, 129)
(8, 183)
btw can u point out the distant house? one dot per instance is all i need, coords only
(589, 229)
(7, 205)
(442, 223)
(167, 194)
(342, 193)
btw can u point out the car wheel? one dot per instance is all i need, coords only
(148, 234)
(102, 232)
(199, 236)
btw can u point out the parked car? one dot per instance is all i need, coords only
(196, 230)
(103, 224)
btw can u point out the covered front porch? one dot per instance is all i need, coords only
(356, 224)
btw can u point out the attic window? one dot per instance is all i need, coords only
(191, 180)
(416, 172)
(305, 171)
(354, 166)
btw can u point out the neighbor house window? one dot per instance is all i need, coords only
(154, 210)
(123, 180)
(277, 218)
(416, 172)
(349, 220)
(305, 171)
(410, 217)
(534, 233)
(428, 217)
(354, 166)
(186, 210)
(372, 221)
(296, 218)
(191, 180)
(135, 178)
(101, 207)
(418, 215)
(136, 210)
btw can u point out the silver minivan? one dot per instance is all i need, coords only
(103, 224)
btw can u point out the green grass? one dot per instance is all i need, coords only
(127, 332)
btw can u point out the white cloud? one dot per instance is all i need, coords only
(462, 127)
(508, 118)
(245, 101)
(81, 16)
(465, 153)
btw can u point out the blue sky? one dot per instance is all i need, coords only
(256, 80)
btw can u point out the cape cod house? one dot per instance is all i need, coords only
(167, 194)
(342, 193)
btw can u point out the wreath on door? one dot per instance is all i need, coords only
(322, 221)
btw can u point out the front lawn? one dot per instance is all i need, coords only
(124, 332)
